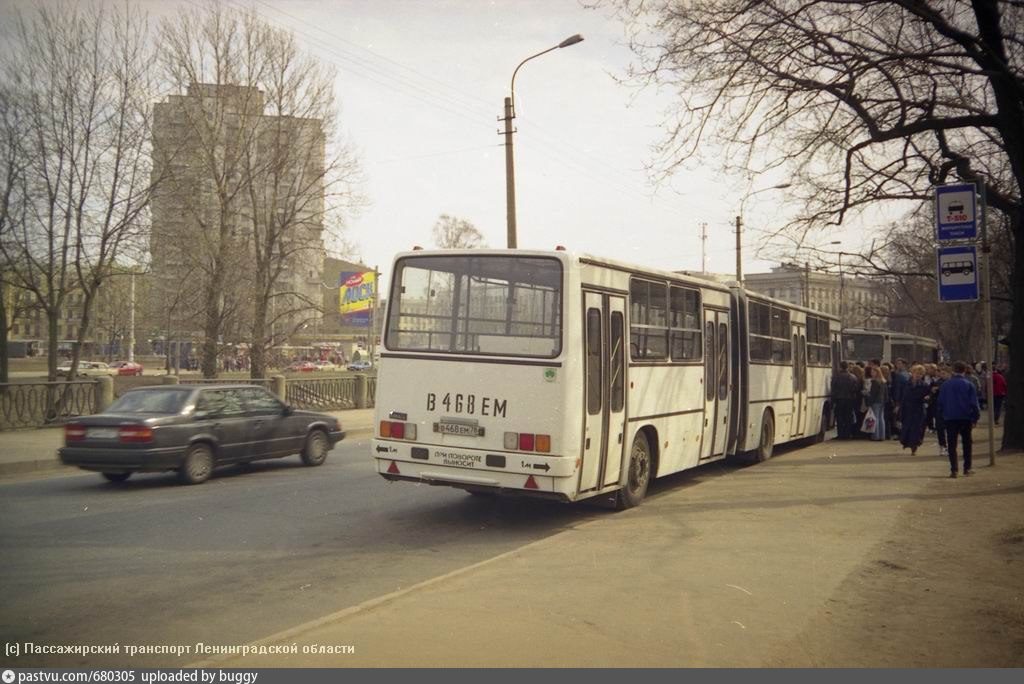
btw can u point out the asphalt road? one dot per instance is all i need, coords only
(248, 553)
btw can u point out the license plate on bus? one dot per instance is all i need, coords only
(102, 433)
(460, 429)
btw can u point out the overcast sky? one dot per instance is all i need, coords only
(421, 86)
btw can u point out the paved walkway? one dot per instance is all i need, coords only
(27, 451)
(833, 555)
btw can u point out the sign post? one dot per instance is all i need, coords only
(957, 266)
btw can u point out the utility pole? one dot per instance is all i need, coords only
(510, 177)
(739, 250)
(374, 303)
(807, 284)
(704, 247)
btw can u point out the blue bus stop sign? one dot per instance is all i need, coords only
(956, 271)
(955, 212)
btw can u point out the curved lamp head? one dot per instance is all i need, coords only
(571, 40)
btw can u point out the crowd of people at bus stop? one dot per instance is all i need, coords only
(881, 401)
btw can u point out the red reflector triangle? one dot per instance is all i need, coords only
(393, 469)
(531, 483)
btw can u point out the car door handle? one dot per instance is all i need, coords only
(216, 426)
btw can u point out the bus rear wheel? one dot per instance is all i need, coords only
(766, 445)
(639, 475)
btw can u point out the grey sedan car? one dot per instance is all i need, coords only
(194, 428)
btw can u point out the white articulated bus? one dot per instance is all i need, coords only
(866, 344)
(572, 376)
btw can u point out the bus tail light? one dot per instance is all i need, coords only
(135, 433)
(528, 441)
(390, 429)
(74, 432)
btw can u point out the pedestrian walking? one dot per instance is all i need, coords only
(998, 393)
(874, 392)
(912, 410)
(900, 380)
(984, 378)
(958, 406)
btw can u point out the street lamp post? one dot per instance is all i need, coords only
(510, 113)
(739, 228)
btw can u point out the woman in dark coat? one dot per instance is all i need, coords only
(912, 410)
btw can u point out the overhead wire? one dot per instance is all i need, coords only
(551, 146)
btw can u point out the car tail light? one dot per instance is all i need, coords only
(527, 441)
(135, 433)
(391, 429)
(74, 432)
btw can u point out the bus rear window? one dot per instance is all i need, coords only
(489, 305)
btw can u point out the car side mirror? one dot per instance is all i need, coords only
(288, 410)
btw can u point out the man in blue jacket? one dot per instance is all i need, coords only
(958, 406)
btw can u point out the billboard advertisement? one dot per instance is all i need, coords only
(356, 297)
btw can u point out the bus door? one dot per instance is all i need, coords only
(799, 381)
(604, 423)
(717, 378)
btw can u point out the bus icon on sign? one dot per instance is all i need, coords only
(965, 267)
(955, 208)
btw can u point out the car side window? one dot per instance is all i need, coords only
(259, 400)
(220, 403)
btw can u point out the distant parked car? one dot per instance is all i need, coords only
(193, 429)
(325, 365)
(127, 367)
(86, 369)
(360, 366)
(302, 367)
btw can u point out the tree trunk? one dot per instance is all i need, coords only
(51, 346)
(258, 350)
(1013, 432)
(211, 328)
(4, 367)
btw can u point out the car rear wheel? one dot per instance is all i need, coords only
(198, 465)
(315, 451)
(117, 477)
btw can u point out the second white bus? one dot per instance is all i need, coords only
(571, 376)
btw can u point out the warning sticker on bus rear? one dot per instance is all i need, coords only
(451, 458)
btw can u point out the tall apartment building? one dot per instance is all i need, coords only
(206, 145)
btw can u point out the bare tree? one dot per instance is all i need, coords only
(300, 177)
(78, 78)
(451, 232)
(252, 180)
(862, 102)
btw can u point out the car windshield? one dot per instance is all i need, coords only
(150, 401)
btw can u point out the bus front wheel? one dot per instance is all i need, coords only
(639, 475)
